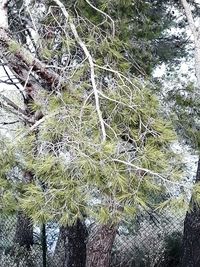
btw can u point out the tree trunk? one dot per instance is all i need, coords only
(44, 245)
(71, 246)
(191, 237)
(24, 231)
(100, 245)
(23, 241)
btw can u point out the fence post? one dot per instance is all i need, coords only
(44, 245)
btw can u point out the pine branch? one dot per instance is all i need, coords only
(91, 63)
(152, 173)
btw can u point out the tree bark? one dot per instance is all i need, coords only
(24, 231)
(191, 236)
(23, 241)
(100, 245)
(71, 246)
(44, 245)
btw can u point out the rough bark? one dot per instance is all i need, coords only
(100, 245)
(23, 240)
(44, 245)
(71, 246)
(20, 60)
(191, 236)
(24, 231)
(15, 53)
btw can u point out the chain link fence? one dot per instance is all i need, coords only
(150, 240)
(153, 240)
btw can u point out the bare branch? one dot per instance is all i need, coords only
(91, 63)
(20, 54)
(21, 116)
(105, 14)
(190, 18)
(150, 172)
(12, 82)
(33, 127)
(12, 104)
(9, 122)
(195, 33)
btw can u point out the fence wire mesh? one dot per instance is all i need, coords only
(151, 240)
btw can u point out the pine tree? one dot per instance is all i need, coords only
(101, 149)
(191, 243)
(184, 105)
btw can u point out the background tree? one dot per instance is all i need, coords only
(102, 147)
(191, 244)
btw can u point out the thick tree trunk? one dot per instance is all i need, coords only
(71, 246)
(23, 241)
(100, 245)
(191, 237)
(24, 231)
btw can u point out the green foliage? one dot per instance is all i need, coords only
(14, 47)
(81, 175)
(139, 27)
(178, 205)
(195, 196)
(75, 172)
(7, 158)
(185, 103)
